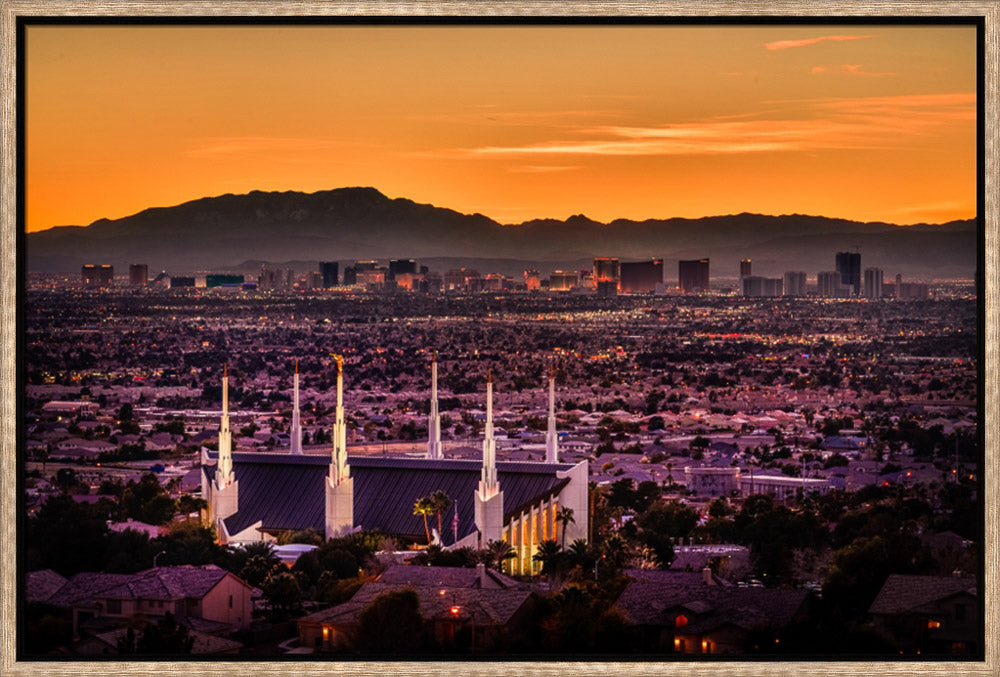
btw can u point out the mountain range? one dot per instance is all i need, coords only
(234, 232)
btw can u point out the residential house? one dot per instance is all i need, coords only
(694, 613)
(464, 608)
(929, 614)
(205, 597)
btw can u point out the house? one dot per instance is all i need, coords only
(206, 596)
(929, 614)
(464, 608)
(691, 613)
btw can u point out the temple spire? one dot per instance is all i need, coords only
(339, 484)
(224, 471)
(339, 469)
(489, 485)
(488, 499)
(434, 418)
(551, 436)
(296, 428)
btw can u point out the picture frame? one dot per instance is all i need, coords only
(11, 257)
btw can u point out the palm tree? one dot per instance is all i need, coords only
(581, 554)
(549, 554)
(424, 507)
(565, 515)
(441, 502)
(497, 552)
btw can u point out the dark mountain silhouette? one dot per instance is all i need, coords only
(222, 232)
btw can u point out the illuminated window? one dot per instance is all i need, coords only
(932, 625)
(680, 621)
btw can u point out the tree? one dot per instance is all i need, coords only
(565, 515)
(282, 591)
(441, 502)
(147, 501)
(391, 624)
(66, 536)
(166, 636)
(550, 556)
(424, 507)
(719, 507)
(498, 552)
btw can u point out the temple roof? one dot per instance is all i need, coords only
(287, 492)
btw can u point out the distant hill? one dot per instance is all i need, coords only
(345, 224)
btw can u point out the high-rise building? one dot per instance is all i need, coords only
(329, 270)
(275, 279)
(562, 280)
(693, 275)
(532, 280)
(756, 286)
(794, 283)
(641, 276)
(138, 274)
(400, 266)
(179, 281)
(873, 283)
(828, 284)
(746, 268)
(606, 270)
(849, 267)
(94, 275)
(223, 279)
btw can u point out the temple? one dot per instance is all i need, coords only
(258, 496)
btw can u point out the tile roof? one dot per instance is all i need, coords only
(650, 602)
(445, 577)
(486, 606)
(901, 593)
(165, 583)
(41, 585)
(272, 489)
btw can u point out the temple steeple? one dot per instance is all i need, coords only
(434, 419)
(551, 436)
(222, 491)
(339, 470)
(489, 498)
(488, 484)
(224, 470)
(296, 428)
(339, 483)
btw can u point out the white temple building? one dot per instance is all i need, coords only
(257, 496)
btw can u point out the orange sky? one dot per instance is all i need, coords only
(862, 122)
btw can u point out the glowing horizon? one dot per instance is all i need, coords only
(869, 123)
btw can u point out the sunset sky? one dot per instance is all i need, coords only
(516, 122)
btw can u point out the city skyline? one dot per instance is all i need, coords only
(867, 122)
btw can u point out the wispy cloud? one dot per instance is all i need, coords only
(850, 69)
(490, 115)
(542, 169)
(803, 42)
(841, 123)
